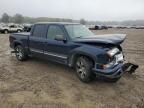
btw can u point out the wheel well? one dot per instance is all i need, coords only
(16, 44)
(5, 29)
(75, 57)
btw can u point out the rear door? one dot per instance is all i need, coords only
(37, 39)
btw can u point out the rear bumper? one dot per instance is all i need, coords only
(115, 72)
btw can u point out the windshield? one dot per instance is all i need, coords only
(78, 31)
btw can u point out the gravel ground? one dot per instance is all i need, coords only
(38, 83)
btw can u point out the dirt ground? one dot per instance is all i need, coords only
(38, 83)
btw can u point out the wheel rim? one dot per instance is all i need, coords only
(6, 32)
(81, 68)
(19, 53)
(18, 31)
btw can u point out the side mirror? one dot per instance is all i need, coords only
(60, 38)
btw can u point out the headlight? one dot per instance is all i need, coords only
(119, 57)
(105, 66)
(108, 65)
(113, 52)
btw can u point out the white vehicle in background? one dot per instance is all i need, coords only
(139, 27)
(11, 28)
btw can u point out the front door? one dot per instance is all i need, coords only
(54, 49)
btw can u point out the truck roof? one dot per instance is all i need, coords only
(60, 23)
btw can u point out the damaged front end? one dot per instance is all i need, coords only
(130, 68)
(116, 66)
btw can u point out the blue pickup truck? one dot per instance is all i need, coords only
(75, 46)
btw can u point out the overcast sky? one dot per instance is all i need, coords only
(102, 10)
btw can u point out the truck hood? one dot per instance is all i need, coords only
(106, 39)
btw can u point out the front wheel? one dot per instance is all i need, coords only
(20, 53)
(83, 68)
(18, 31)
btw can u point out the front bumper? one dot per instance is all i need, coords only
(116, 71)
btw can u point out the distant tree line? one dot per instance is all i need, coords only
(45, 19)
(122, 23)
(18, 18)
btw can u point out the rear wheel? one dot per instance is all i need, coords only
(20, 53)
(83, 69)
(5, 31)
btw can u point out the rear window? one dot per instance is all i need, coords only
(40, 31)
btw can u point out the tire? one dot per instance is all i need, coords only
(83, 68)
(20, 53)
(5, 31)
(18, 31)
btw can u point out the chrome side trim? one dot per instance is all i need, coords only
(49, 53)
(37, 51)
(56, 55)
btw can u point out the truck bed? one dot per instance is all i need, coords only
(20, 38)
(22, 33)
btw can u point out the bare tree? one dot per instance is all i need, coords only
(5, 18)
(82, 21)
(18, 18)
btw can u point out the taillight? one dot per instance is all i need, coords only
(112, 52)
(11, 39)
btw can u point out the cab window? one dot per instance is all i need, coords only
(53, 31)
(40, 30)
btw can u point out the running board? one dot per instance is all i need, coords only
(13, 52)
